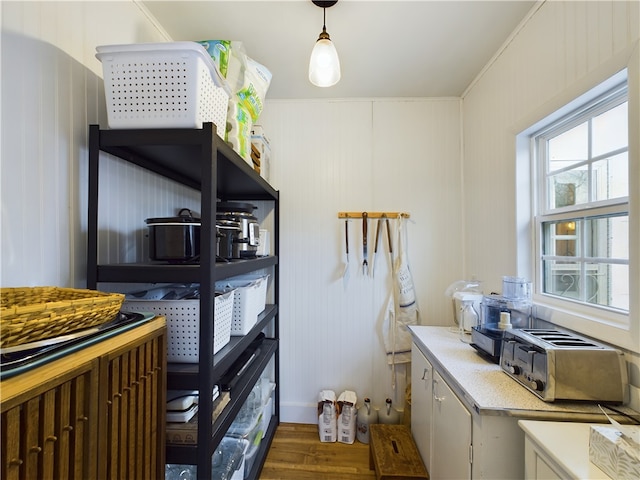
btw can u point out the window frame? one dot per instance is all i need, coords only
(615, 95)
(619, 331)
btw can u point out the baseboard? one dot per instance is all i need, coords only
(299, 413)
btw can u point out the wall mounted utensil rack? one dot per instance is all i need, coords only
(371, 215)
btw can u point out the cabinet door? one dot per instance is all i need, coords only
(133, 396)
(50, 431)
(451, 434)
(421, 404)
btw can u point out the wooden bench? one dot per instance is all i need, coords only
(393, 453)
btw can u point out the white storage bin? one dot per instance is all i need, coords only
(183, 324)
(228, 460)
(162, 85)
(249, 302)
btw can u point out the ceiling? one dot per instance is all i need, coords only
(387, 48)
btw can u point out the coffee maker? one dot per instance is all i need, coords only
(512, 309)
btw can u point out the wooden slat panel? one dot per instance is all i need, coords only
(115, 412)
(12, 456)
(49, 413)
(31, 425)
(122, 448)
(147, 406)
(65, 429)
(131, 406)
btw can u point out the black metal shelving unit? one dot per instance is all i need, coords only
(199, 159)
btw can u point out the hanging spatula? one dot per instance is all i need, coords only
(345, 273)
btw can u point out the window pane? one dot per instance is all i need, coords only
(608, 285)
(569, 188)
(610, 130)
(610, 177)
(562, 278)
(560, 238)
(569, 147)
(608, 237)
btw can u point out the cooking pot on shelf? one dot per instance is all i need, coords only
(248, 238)
(174, 239)
(227, 232)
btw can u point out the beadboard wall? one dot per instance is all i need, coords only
(51, 91)
(562, 50)
(358, 155)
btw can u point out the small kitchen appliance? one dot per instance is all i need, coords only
(558, 365)
(512, 309)
(248, 238)
(174, 239)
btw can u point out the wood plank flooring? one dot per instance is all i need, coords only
(296, 453)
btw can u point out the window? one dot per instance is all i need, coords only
(582, 217)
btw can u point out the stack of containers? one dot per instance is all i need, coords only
(252, 421)
(249, 300)
(183, 318)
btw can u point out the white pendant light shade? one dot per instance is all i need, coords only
(324, 65)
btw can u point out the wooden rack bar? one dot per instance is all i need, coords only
(373, 214)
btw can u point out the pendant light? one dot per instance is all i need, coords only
(324, 65)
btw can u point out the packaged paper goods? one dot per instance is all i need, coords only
(248, 82)
(238, 129)
(616, 454)
(327, 416)
(347, 416)
(260, 144)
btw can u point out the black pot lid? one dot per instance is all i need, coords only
(185, 216)
(235, 207)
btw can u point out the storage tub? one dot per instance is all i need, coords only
(162, 85)
(228, 459)
(249, 301)
(183, 323)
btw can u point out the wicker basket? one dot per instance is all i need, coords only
(30, 314)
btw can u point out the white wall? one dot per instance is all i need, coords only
(51, 91)
(562, 50)
(358, 155)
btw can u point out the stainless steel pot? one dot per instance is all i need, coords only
(174, 239)
(228, 231)
(248, 238)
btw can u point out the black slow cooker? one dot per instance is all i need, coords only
(174, 239)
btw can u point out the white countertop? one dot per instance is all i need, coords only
(567, 444)
(485, 388)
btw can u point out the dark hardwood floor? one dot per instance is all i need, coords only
(297, 453)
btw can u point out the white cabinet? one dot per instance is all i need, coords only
(451, 434)
(440, 423)
(421, 402)
(557, 450)
(454, 440)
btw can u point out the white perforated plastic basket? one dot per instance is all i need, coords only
(183, 324)
(249, 301)
(162, 85)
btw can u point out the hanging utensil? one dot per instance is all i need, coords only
(345, 273)
(365, 264)
(386, 220)
(375, 247)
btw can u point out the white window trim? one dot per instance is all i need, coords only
(617, 329)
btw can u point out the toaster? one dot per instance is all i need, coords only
(558, 365)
